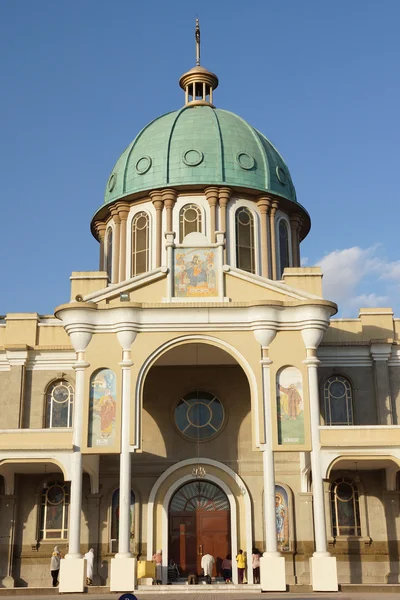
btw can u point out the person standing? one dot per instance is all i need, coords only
(89, 566)
(255, 559)
(207, 563)
(55, 565)
(157, 557)
(241, 564)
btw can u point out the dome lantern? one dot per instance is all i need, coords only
(198, 83)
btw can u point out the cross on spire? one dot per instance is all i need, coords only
(197, 36)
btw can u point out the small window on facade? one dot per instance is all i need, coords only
(345, 508)
(109, 252)
(244, 225)
(54, 511)
(338, 401)
(283, 246)
(189, 220)
(59, 404)
(140, 244)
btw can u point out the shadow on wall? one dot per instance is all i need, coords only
(166, 386)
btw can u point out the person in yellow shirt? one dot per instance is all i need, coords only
(241, 565)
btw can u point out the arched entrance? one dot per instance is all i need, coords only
(199, 523)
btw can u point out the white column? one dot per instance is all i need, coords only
(268, 467)
(123, 566)
(272, 563)
(74, 531)
(322, 565)
(73, 567)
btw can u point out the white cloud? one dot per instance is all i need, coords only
(360, 277)
(304, 261)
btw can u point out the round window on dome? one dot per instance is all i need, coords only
(245, 161)
(199, 415)
(193, 157)
(112, 181)
(143, 165)
(281, 175)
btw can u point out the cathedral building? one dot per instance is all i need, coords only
(196, 394)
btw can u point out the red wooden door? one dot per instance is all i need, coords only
(201, 526)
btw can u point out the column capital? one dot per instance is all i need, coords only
(295, 220)
(212, 194)
(100, 229)
(123, 210)
(169, 196)
(224, 193)
(264, 204)
(274, 206)
(157, 199)
(264, 337)
(380, 351)
(312, 337)
(115, 215)
(311, 361)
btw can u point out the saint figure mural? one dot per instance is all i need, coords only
(195, 274)
(290, 406)
(102, 409)
(282, 518)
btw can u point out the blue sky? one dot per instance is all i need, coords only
(80, 79)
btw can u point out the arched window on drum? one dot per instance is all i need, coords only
(338, 402)
(245, 250)
(59, 404)
(345, 509)
(283, 236)
(140, 244)
(190, 220)
(109, 253)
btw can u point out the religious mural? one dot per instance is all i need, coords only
(290, 407)
(282, 518)
(102, 409)
(115, 516)
(195, 273)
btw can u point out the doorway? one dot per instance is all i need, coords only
(199, 523)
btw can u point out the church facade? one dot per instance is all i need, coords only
(196, 394)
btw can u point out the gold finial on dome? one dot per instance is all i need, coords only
(198, 83)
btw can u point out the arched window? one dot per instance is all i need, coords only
(244, 225)
(345, 508)
(54, 511)
(140, 244)
(109, 252)
(189, 220)
(283, 233)
(59, 404)
(338, 401)
(114, 531)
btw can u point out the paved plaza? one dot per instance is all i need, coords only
(145, 595)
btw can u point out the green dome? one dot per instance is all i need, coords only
(199, 145)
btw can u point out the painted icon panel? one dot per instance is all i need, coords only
(102, 409)
(282, 518)
(290, 407)
(195, 273)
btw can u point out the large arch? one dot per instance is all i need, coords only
(202, 339)
(236, 479)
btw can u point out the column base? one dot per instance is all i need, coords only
(72, 575)
(272, 574)
(123, 574)
(8, 582)
(323, 574)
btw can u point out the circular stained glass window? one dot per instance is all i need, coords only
(199, 415)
